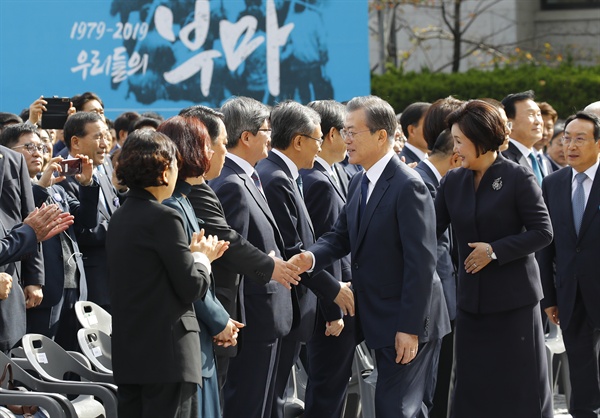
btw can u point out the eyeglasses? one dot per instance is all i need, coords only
(100, 136)
(346, 134)
(31, 148)
(319, 140)
(565, 140)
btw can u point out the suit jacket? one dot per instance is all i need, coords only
(515, 155)
(20, 257)
(297, 232)
(444, 267)
(324, 201)
(574, 256)
(242, 258)
(211, 315)
(154, 282)
(92, 240)
(553, 166)
(409, 156)
(343, 177)
(268, 306)
(85, 217)
(508, 212)
(392, 248)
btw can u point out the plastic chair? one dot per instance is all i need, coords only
(53, 363)
(83, 406)
(96, 346)
(92, 316)
(364, 371)
(556, 347)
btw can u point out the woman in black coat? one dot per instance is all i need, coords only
(500, 221)
(155, 276)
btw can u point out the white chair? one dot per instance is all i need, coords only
(92, 316)
(97, 347)
(555, 347)
(364, 370)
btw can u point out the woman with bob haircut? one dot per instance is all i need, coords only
(156, 275)
(192, 141)
(497, 212)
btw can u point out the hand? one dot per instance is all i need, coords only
(5, 285)
(478, 258)
(33, 295)
(410, 165)
(48, 221)
(209, 246)
(334, 328)
(36, 109)
(303, 261)
(407, 346)
(284, 272)
(552, 313)
(345, 299)
(87, 170)
(47, 178)
(228, 337)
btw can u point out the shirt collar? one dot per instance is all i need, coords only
(325, 165)
(290, 164)
(522, 148)
(422, 155)
(437, 174)
(377, 169)
(244, 165)
(590, 172)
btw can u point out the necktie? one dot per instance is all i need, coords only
(257, 182)
(578, 201)
(364, 191)
(299, 183)
(542, 165)
(536, 168)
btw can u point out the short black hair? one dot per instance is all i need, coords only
(208, 116)
(412, 115)
(243, 114)
(333, 114)
(143, 122)
(509, 102)
(444, 144)
(481, 123)
(76, 125)
(586, 116)
(290, 118)
(144, 157)
(11, 134)
(81, 99)
(379, 114)
(124, 121)
(8, 119)
(435, 118)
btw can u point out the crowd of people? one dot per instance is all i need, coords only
(230, 244)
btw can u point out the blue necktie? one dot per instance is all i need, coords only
(536, 168)
(299, 183)
(257, 182)
(578, 201)
(364, 191)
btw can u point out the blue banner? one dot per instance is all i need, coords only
(165, 55)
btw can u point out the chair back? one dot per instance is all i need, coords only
(96, 345)
(92, 316)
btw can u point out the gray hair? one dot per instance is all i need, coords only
(289, 119)
(243, 114)
(379, 113)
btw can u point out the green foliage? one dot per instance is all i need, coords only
(566, 87)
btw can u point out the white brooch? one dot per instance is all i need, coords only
(497, 184)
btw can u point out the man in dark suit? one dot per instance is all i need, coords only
(64, 276)
(295, 140)
(527, 129)
(86, 133)
(242, 258)
(388, 226)
(440, 161)
(22, 228)
(555, 153)
(330, 351)
(411, 122)
(569, 266)
(250, 384)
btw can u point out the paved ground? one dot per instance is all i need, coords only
(560, 407)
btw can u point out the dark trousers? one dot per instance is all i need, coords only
(444, 375)
(288, 355)
(250, 386)
(329, 370)
(401, 387)
(177, 400)
(582, 341)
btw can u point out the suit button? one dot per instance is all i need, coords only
(355, 266)
(578, 249)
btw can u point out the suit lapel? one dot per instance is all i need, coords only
(592, 207)
(336, 186)
(378, 191)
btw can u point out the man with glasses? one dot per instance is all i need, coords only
(572, 291)
(64, 276)
(86, 134)
(21, 228)
(296, 140)
(388, 227)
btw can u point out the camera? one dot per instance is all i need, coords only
(57, 109)
(70, 167)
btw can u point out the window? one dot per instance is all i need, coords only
(569, 4)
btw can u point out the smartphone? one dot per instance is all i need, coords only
(70, 167)
(56, 112)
